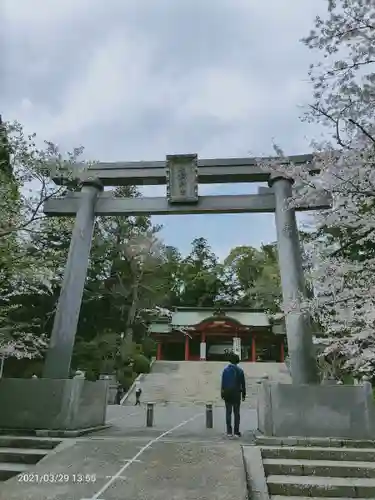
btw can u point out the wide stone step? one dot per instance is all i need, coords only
(21, 455)
(282, 497)
(191, 381)
(312, 441)
(28, 442)
(8, 470)
(329, 487)
(325, 468)
(317, 453)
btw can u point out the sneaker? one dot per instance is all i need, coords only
(237, 434)
(229, 434)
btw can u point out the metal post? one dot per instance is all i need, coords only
(150, 415)
(298, 325)
(209, 416)
(59, 354)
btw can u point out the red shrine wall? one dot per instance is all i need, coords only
(189, 347)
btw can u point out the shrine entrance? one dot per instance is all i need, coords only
(219, 351)
(209, 334)
(174, 351)
(182, 175)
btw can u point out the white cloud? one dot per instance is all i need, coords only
(141, 79)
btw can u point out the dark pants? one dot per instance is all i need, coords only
(233, 404)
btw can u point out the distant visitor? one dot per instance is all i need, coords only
(119, 394)
(233, 389)
(138, 392)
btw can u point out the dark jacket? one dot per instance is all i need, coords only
(239, 387)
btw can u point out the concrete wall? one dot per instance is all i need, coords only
(112, 388)
(52, 404)
(316, 410)
(91, 410)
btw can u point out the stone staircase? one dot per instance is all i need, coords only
(198, 382)
(306, 468)
(18, 454)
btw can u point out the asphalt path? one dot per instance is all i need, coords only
(177, 458)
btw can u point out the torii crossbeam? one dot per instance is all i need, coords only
(107, 205)
(210, 171)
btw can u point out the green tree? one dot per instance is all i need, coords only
(202, 276)
(257, 275)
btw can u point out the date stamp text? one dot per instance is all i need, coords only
(56, 477)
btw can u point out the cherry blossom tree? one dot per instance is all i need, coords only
(341, 242)
(26, 172)
(163, 313)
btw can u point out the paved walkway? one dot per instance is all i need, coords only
(131, 420)
(178, 459)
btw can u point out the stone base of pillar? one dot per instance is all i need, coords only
(52, 404)
(336, 411)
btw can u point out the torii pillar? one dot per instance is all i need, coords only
(298, 325)
(59, 354)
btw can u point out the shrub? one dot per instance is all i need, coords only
(126, 380)
(141, 364)
(126, 371)
(107, 367)
(149, 347)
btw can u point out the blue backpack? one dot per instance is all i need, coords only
(230, 380)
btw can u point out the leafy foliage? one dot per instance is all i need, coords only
(25, 184)
(141, 364)
(257, 277)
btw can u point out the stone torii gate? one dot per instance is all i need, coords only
(182, 174)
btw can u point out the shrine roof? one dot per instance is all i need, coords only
(190, 318)
(194, 316)
(160, 327)
(207, 317)
(226, 309)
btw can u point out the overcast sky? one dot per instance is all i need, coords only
(139, 79)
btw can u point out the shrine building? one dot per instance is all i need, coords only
(204, 333)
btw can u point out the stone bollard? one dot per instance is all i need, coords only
(209, 416)
(150, 415)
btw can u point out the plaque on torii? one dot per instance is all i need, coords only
(181, 174)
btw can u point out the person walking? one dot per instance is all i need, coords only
(119, 394)
(233, 388)
(138, 392)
